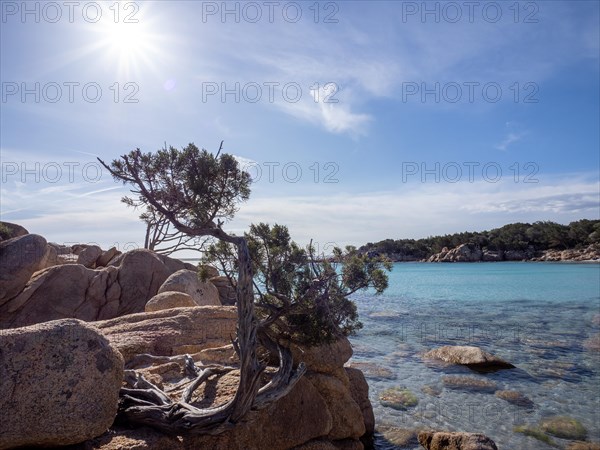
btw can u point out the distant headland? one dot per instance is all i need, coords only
(540, 241)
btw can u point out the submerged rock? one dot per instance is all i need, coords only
(470, 356)
(444, 440)
(400, 437)
(564, 427)
(431, 389)
(535, 433)
(372, 370)
(469, 383)
(593, 343)
(515, 397)
(580, 445)
(398, 397)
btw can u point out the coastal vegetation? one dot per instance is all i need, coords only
(283, 292)
(534, 238)
(299, 298)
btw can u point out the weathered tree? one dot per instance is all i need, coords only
(197, 192)
(299, 297)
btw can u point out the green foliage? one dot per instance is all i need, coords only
(195, 186)
(538, 236)
(299, 296)
(5, 232)
(203, 273)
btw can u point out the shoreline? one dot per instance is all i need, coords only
(566, 261)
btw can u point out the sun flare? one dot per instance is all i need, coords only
(130, 48)
(126, 40)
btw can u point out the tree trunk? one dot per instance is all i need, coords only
(145, 404)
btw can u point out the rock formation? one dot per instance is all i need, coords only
(171, 331)
(11, 230)
(462, 253)
(470, 356)
(590, 253)
(60, 384)
(187, 281)
(74, 290)
(61, 377)
(226, 290)
(327, 408)
(442, 440)
(473, 253)
(20, 257)
(169, 300)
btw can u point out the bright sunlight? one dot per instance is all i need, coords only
(130, 43)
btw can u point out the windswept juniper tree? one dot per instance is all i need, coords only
(302, 297)
(298, 298)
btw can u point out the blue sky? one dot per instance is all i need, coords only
(359, 120)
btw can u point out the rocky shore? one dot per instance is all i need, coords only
(474, 253)
(74, 319)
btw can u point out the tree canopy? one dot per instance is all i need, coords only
(192, 189)
(301, 296)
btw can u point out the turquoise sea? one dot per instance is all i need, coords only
(537, 316)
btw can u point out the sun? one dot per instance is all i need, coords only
(128, 48)
(126, 40)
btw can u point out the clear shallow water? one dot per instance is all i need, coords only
(534, 315)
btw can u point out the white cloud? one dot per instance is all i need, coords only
(425, 209)
(511, 138)
(334, 117)
(413, 211)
